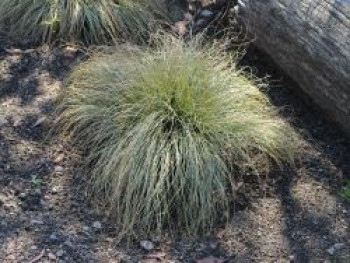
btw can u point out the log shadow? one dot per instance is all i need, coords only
(311, 225)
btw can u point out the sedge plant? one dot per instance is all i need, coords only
(165, 130)
(81, 21)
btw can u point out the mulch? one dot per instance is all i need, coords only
(294, 215)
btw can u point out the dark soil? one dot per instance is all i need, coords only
(295, 215)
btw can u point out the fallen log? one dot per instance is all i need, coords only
(310, 41)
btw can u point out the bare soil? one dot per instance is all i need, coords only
(290, 216)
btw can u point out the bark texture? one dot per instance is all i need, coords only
(310, 40)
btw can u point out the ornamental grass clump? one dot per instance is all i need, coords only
(164, 132)
(81, 21)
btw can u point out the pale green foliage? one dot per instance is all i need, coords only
(86, 21)
(345, 192)
(165, 130)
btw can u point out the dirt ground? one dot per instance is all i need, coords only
(291, 216)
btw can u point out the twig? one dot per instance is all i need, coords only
(36, 259)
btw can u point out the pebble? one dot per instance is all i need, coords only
(59, 169)
(86, 229)
(36, 222)
(53, 237)
(60, 253)
(34, 247)
(11, 258)
(147, 245)
(213, 245)
(7, 168)
(43, 203)
(97, 225)
(59, 158)
(22, 196)
(69, 244)
(200, 23)
(71, 49)
(3, 122)
(333, 249)
(54, 190)
(51, 256)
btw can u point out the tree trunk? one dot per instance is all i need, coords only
(310, 41)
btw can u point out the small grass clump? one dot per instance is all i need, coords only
(345, 192)
(165, 130)
(83, 21)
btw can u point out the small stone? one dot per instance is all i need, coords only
(235, 10)
(46, 197)
(12, 258)
(45, 48)
(51, 256)
(147, 245)
(188, 17)
(43, 203)
(60, 253)
(59, 169)
(345, 211)
(69, 244)
(3, 122)
(54, 190)
(17, 122)
(339, 246)
(34, 247)
(213, 245)
(22, 196)
(200, 23)
(333, 249)
(59, 158)
(291, 259)
(36, 222)
(53, 237)
(86, 229)
(72, 232)
(97, 225)
(71, 49)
